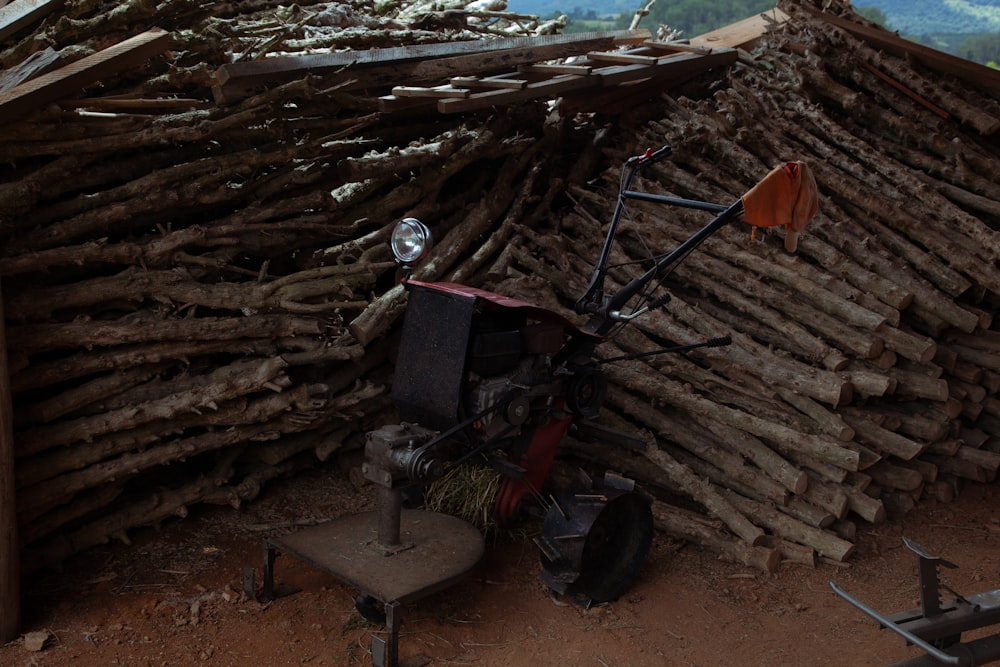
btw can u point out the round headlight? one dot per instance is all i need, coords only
(410, 241)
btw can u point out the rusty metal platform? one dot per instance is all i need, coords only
(436, 551)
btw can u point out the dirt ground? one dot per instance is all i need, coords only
(174, 598)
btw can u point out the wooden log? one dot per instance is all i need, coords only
(880, 438)
(146, 327)
(148, 510)
(925, 295)
(973, 437)
(819, 447)
(943, 491)
(239, 378)
(825, 386)
(239, 411)
(740, 481)
(792, 279)
(825, 543)
(880, 39)
(828, 496)
(765, 458)
(788, 330)
(85, 504)
(830, 422)
(762, 327)
(10, 568)
(892, 476)
(791, 552)
(898, 503)
(984, 458)
(839, 264)
(805, 511)
(869, 508)
(683, 479)
(910, 384)
(60, 488)
(911, 346)
(928, 471)
(984, 359)
(962, 468)
(845, 529)
(688, 526)
(944, 447)
(868, 383)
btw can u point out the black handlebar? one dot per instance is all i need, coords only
(604, 308)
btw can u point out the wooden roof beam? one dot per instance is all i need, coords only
(21, 14)
(460, 57)
(67, 81)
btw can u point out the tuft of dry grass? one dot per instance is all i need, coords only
(467, 492)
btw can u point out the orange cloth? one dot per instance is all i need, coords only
(786, 196)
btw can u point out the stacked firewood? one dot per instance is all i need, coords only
(177, 274)
(199, 296)
(864, 369)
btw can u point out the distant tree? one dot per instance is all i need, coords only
(695, 17)
(983, 48)
(873, 14)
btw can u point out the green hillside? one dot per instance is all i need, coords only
(966, 28)
(908, 17)
(938, 16)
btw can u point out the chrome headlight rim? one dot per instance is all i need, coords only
(410, 241)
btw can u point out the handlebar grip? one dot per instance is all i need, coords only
(658, 155)
(649, 157)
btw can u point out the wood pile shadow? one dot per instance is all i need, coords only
(200, 298)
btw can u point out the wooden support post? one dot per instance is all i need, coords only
(10, 574)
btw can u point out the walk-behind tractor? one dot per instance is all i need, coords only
(484, 379)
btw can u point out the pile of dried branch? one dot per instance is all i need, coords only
(199, 296)
(865, 368)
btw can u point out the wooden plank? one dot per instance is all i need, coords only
(642, 85)
(743, 33)
(679, 66)
(285, 68)
(393, 103)
(622, 58)
(976, 75)
(677, 47)
(435, 92)
(67, 81)
(21, 14)
(549, 88)
(489, 82)
(676, 68)
(549, 70)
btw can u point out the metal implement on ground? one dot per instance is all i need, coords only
(484, 379)
(936, 626)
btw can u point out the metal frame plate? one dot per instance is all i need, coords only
(444, 549)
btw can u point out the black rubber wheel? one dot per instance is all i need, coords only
(616, 548)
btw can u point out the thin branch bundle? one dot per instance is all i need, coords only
(200, 298)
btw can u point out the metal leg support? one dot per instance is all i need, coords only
(385, 652)
(270, 553)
